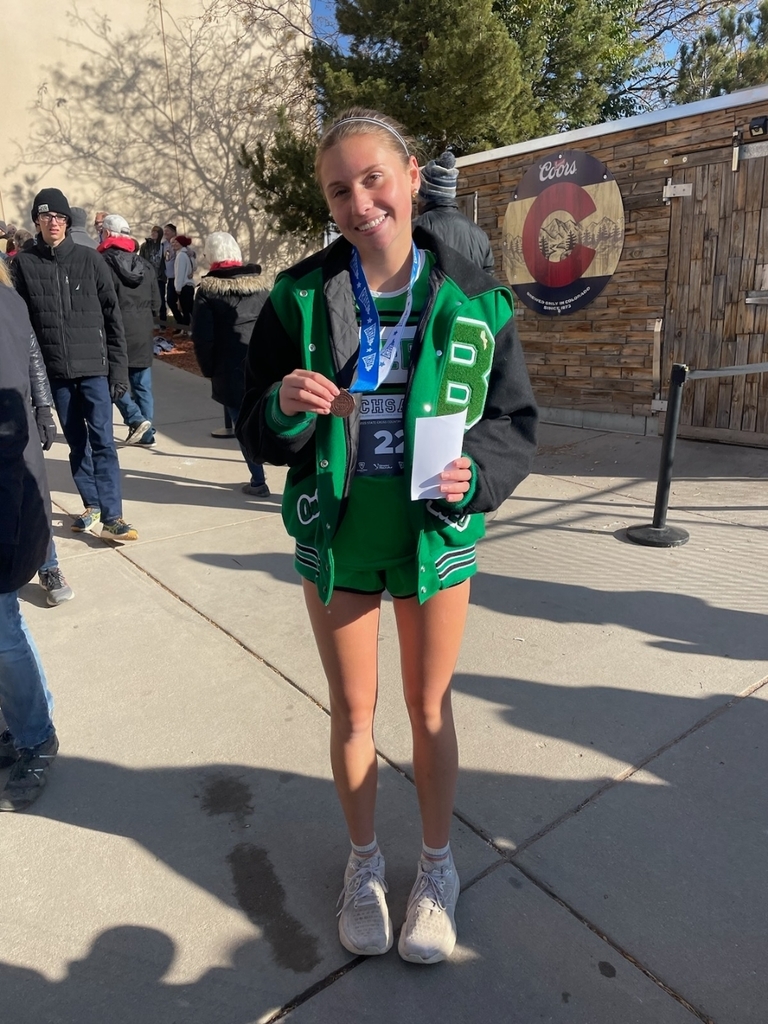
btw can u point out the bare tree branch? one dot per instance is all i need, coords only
(110, 121)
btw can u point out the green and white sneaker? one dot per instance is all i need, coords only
(429, 933)
(87, 519)
(118, 529)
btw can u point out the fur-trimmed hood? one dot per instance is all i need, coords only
(233, 281)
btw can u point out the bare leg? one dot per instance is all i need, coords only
(346, 633)
(430, 638)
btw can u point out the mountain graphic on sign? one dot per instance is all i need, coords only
(558, 238)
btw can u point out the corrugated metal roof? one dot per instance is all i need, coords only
(742, 98)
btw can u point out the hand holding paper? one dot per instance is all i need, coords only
(437, 443)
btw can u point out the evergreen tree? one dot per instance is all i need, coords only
(283, 176)
(477, 74)
(469, 74)
(449, 71)
(733, 55)
(575, 56)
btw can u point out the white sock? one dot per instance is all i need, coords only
(366, 851)
(438, 857)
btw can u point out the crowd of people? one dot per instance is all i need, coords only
(330, 374)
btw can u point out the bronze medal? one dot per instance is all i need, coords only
(343, 404)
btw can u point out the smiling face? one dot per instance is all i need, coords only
(368, 187)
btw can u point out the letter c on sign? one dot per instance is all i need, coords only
(574, 200)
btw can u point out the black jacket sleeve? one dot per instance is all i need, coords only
(489, 263)
(272, 354)
(19, 282)
(14, 433)
(117, 351)
(203, 334)
(38, 378)
(502, 445)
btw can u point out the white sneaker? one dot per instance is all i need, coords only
(429, 932)
(365, 926)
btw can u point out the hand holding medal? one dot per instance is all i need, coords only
(308, 391)
(343, 404)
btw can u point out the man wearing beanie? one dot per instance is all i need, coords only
(439, 213)
(78, 232)
(75, 314)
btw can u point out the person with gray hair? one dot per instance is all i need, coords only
(138, 296)
(439, 213)
(227, 303)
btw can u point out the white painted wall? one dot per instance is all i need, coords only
(38, 35)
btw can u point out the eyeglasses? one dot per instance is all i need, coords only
(50, 218)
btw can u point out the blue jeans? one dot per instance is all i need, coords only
(25, 700)
(257, 472)
(137, 403)
(85, 411)
(51, 560)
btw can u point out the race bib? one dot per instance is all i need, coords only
(380, 447)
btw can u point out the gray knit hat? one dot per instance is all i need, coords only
(439, 177)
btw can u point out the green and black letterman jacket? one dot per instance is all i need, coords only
(466, 353)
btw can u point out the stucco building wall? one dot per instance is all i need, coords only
(86, 107)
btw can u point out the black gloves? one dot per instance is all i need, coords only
(46, 428)
(117, 389)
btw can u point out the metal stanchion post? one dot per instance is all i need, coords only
(658, 534)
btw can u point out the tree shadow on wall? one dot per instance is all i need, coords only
(159, 142)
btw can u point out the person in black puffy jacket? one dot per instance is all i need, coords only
(138, 295)
(75, 314)
(28, 744)
(228, 301)
(439, 213)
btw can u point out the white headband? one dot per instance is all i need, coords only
(373, 120)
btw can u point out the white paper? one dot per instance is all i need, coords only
(438, 441)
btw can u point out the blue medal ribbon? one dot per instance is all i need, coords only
(374, 362)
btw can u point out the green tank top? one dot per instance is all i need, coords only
(376, 530)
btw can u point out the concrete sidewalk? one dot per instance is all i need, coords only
(611, 825)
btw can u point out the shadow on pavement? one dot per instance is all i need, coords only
(278, 564)
(121, 981)
(231, 829)
(682, 624)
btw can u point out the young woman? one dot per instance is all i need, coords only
(183, 280)
(353, 346)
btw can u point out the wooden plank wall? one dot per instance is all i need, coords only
(602, 358)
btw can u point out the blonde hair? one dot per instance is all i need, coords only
(362, 121)
(5, 275)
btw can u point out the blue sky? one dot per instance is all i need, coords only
(322, 11)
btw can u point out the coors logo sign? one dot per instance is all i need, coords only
(563, 233)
